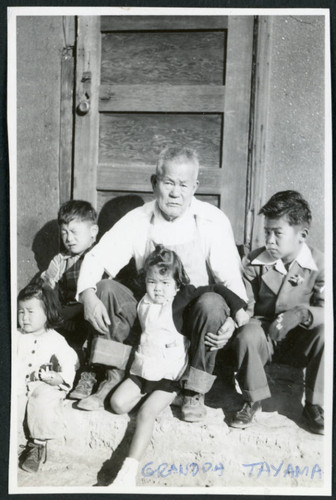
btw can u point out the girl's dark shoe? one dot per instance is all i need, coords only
(33, 456)
(245, 416)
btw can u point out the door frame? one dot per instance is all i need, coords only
(257, 114)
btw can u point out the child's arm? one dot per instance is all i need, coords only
(236, 304)
(251, 282)
(55, 270)
(307, 315)
(241, 317)
(67, 361)
(316, 306)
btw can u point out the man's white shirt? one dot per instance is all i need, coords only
(129, 238)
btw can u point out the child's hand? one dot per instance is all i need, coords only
(50, 377)
(241, 317)
(287, 321)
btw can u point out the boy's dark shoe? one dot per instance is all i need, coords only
(193, 408)
(96, 401)
(245, 416)
(85, 386)
(314, 418)
(33, 456)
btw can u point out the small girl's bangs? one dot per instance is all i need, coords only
(162, 269)
(168, 263)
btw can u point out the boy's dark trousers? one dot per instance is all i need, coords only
(301, 348)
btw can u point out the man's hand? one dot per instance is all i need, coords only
(220, 339)
(94, 311)
(287, 321)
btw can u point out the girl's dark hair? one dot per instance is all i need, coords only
(49, 299)
(168, 262)
(288, 204)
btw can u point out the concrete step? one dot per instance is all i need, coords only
(193, 454)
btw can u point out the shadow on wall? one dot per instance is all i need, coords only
(115, 209)
(46, 243)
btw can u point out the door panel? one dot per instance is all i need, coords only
(162, 98)
(162, 23)
(174, 58)
(153, 81)
(137, 138)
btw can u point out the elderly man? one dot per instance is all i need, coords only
(202, 237)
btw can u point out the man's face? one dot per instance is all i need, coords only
(282, 240)
(78, 235)
(175, 187)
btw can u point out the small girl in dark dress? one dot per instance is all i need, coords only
(162, 355)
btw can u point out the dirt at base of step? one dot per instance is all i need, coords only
(205, 454)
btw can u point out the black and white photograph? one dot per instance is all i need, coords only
(171, 250)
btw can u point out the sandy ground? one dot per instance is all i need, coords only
(208, 454)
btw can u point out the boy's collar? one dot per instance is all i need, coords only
(304, 259)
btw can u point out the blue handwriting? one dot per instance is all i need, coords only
(259, 468)
(192, 469)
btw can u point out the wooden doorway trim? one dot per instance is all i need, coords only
(237, 120)
(66, 109)
(260, 94)
(87, 90)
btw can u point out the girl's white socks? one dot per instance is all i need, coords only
(127, 474)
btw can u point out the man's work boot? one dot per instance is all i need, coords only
(193, 408)
(314, 418)
(96, 401)
(85, 386)
(245, 416)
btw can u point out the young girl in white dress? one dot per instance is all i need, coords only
(45, 367)
(162, 355)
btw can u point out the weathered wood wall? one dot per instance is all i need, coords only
(294, 146)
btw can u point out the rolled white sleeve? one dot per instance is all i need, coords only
(223, 257)
(111, 254)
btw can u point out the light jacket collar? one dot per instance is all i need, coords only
(304, 259)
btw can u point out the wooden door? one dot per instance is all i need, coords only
(145, 82)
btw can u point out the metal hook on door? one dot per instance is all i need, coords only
(83, 106)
